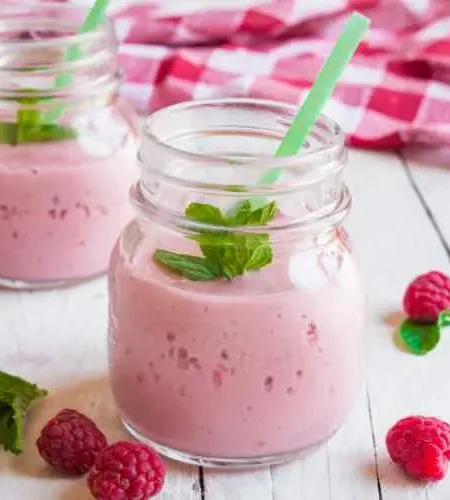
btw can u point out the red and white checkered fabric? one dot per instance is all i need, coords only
(395, 91)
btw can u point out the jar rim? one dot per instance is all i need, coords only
(35, 38)
(105, 28)
(330, 150)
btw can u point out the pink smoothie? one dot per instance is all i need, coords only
(263, 365)
(61, 209)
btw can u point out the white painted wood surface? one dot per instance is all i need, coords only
(58, 339)
(400, 225)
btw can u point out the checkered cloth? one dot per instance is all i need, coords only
(395, 91)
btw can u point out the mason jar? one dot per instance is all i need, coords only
(67, 146)
(236, 306)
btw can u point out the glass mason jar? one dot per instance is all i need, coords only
(235, 304)
(67, 146)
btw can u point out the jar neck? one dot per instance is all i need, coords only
(46, 64)
(219, 153)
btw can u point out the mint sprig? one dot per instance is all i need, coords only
(16, 396)
(226, 254)
(189, 266)
(28, 127)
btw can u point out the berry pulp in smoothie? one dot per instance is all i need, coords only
(265, 365)
(61, 209)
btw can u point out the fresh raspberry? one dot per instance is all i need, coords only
(70, 442)
(427, 296)
(126, 471)
(421, 445)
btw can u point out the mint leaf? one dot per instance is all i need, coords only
(246, 216)
(226, 254)
(235, 253)
(28, 126)
(246, 252)
(10, 434)
(444, 319)
(207, 214)
(212, 245)
(16, 396)
(264, 215)
(241, 215)
(8, 133)
(189, 266)
(46, 133)
(419, 338)
(261, 256)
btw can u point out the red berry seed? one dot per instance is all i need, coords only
(427, 296)
(126, 470)
(70, 442)
(421, 446)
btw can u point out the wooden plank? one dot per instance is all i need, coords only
(240, 485)
(395, 241)
(432, 185)
(58, 339)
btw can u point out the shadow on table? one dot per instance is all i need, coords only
(391, 475)
(393, 318)
(92, 397)
(76, 491)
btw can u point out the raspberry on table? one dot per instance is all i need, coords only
(70, 442)
(421, 445)
(427, 296)
(125, 471)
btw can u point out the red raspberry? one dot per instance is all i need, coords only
(70, 442)
(427, 296)
(421, 445)
(126, 471)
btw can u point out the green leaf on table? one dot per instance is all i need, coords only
(419, 338)
(16, 396)
(191, 267)
(444, 319)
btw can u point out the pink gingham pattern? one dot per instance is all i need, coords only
(395, 91)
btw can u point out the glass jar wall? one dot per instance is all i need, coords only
(235, 305)
(67, 146)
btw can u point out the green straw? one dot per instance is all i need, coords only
(93, 20)
(320, 92)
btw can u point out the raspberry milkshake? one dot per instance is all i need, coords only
(61, 209)
(281, 347)
(235, 319)
(67, 146)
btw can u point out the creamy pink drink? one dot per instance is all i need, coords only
(236, 308)
(264, 365)
(67, 146)
(61, 208)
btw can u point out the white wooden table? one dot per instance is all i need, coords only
(400, 225)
